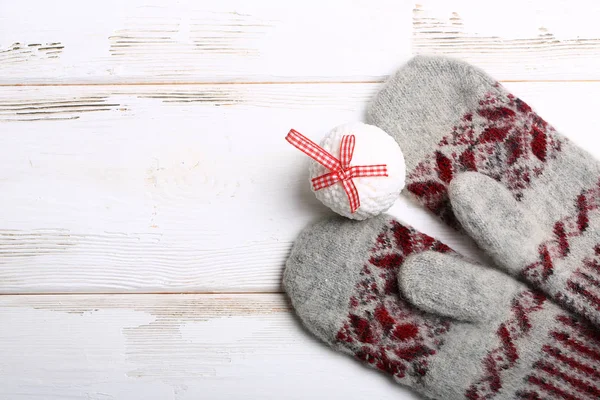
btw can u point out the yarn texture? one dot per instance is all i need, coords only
(486, 163)
(373, 146)
(406, 304)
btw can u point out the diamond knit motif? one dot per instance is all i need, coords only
(382, 329)
(503, 139)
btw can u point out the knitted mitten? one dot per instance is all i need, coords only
(531, 198)
(405, 304)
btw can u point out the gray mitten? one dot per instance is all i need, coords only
(480, 158)
(406, 304)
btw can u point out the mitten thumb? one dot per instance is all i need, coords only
(495, 220)
(450, 285)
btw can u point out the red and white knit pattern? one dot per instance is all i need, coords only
(381, 328)
(567, 228)
(582, 293)
(585, 282)
(386, 332)
(584, 285)
(507, 141)
(503, 139)
(569, 367)
(503, 358)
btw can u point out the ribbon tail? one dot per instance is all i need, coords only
(325, 180)
(312, 150)
(347, 150)
(352, 194)
(363, 171)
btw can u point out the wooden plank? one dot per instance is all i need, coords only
(183, 189)
(191, 41)
(513, 39)
(174, 347)
(170, 188)
(155, 41)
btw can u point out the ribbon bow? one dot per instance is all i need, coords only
(341, 171)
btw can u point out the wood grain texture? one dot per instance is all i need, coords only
(154, 41)
(126, 168)
(159, 189)
(216, 40)
(183, 189)
(20, 52)
(513, 39)
(171, 347)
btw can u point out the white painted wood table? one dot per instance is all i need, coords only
(149, 200)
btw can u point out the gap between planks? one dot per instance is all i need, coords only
(207, 83)
(308, 82)
(203, 293)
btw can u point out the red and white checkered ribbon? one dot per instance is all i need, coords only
(341, 171)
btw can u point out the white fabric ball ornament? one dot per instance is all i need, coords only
(372, 147)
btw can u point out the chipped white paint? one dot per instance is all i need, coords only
(18, 53)
(159, 189)
(147, 186)
(171, 347)
(199, 41)
(513, 39)
(235, 40)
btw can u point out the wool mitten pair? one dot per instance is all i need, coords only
(486, 163)
(406, 304)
